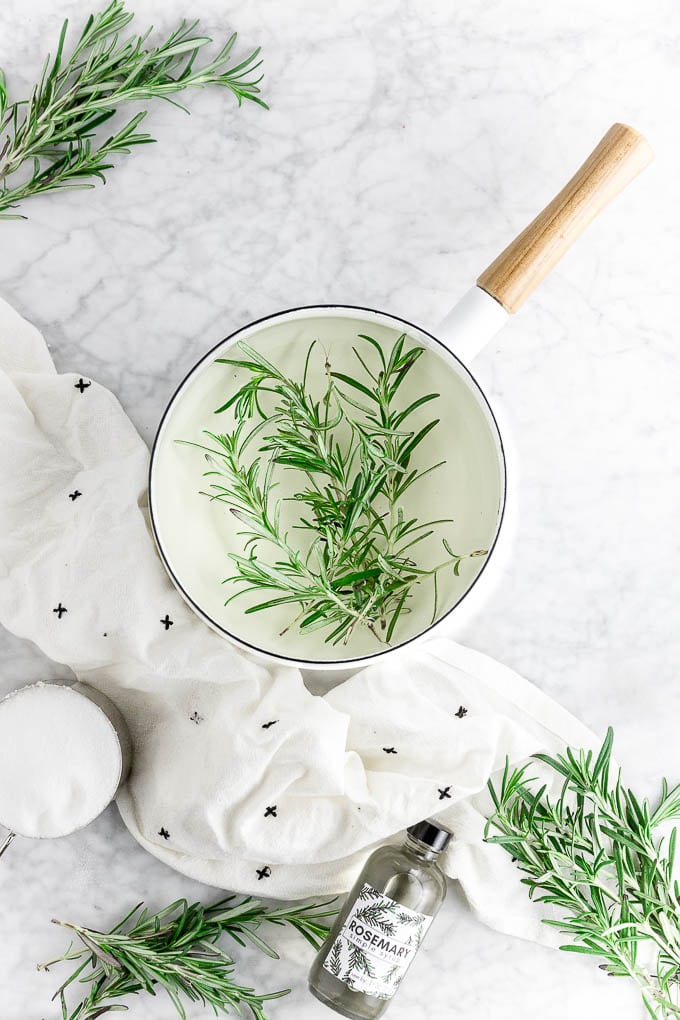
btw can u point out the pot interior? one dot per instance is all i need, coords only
(195, 535)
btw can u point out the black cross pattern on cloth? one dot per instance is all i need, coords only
(390, 750)
(263, 872)
(270, 812)
(167, 622)
(60, 610)
(461, 713)
(195, 717)
(266, 725)
(444, 793)
(74, 495)
(164, 833)
(82, 385)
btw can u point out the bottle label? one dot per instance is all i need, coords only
(375, 946)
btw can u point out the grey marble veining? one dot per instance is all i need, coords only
(405, 145)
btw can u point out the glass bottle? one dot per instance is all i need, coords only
(381, 925)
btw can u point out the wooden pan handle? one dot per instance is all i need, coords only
(527, 260)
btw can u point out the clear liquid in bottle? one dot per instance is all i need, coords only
(381, 925)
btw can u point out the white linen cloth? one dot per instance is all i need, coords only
(241, 777)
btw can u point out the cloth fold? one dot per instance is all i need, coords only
(242, 778)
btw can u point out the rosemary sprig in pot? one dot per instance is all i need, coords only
(595, 854)
(351, 451)
(49, 140)
(176, 949)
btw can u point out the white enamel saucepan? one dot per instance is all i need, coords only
(195, 535)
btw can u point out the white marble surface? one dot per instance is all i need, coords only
(406, 143)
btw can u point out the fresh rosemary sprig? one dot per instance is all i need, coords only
(51, 136)
(595, 854)
(352, 448)
(176, 949)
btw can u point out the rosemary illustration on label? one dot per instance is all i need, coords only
(376, 944)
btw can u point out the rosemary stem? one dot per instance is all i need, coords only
(54, 129)
(353, 455)
(593, 855)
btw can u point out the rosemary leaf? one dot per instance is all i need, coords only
(176, 949)
(50, 138)
(594, 854)
(353, 459)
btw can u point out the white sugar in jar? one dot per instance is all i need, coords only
(64, 752)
